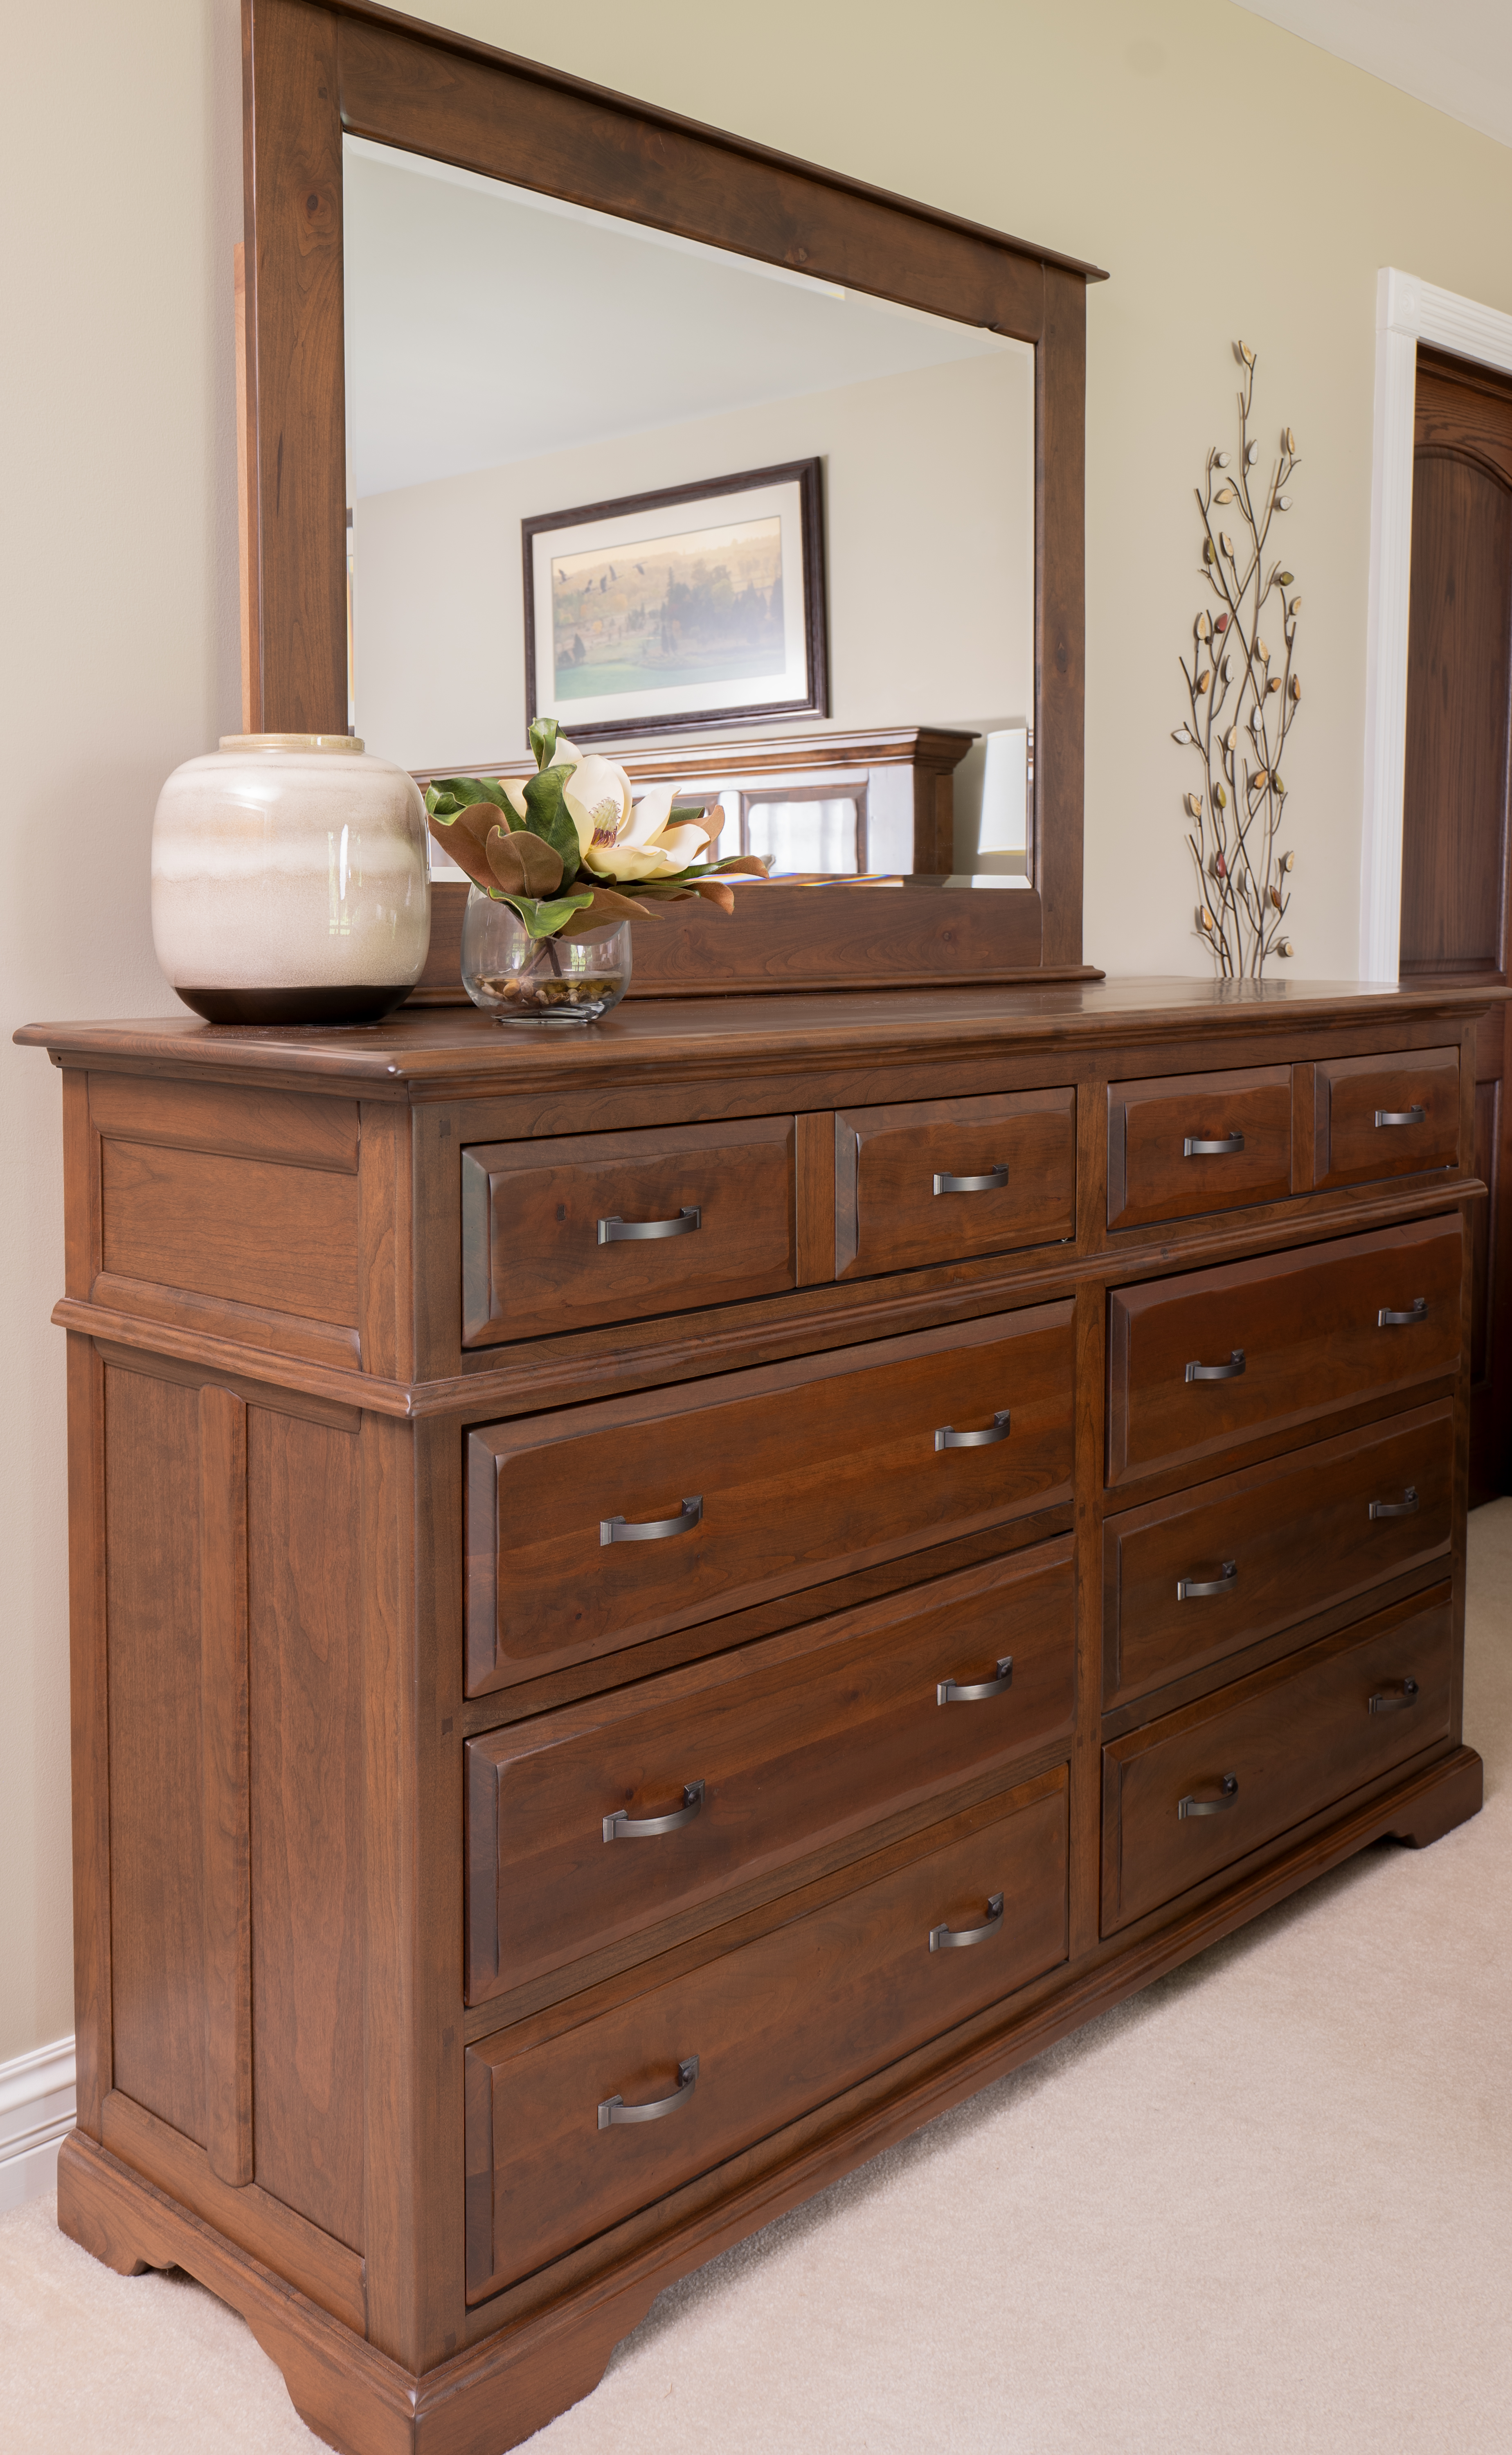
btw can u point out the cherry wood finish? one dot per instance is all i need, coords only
(892, 1212)
(1353, 1696)
(1366, 1121)
(799, 1741)
(301, 1843)
(1153, 1175)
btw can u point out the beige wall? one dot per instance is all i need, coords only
(929, 519)
(1232, 180)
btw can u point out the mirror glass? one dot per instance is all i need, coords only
(520, 371)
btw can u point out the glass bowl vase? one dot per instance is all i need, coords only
(516, 977)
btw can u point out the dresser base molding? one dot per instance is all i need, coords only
(537, 2358)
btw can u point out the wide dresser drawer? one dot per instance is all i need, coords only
(1190, 1580)
(1202, 1361)
(594, 1822)
(598, 1527)
(571, 2127)
(1198, 1790)
(559, 1233)
(942, 1180)
(1182, 1143)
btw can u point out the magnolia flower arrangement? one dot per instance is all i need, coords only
(1244, 701)
(570, 851)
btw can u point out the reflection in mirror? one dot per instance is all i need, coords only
(512, 358)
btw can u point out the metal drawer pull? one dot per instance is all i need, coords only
(1229, 1786)
(1187, 1589)
(949, 1938)
(948, 1438)
(653, 1530)
(1387, 1319)
(1415, 1116)
(1194, 1148)
(950, 1692)
(622, 1826)
(995, 1178)
(644, 1231)
(1229, 1371)
(1406, 1506)
(1395, 1704)
(614, 2109)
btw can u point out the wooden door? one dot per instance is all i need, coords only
(1456, 921)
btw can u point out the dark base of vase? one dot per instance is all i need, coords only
(354, 1001)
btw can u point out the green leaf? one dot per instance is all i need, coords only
(543, 920)
(551, 818)
(464, 790)
(543, 734)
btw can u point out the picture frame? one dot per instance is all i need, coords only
(701, 605)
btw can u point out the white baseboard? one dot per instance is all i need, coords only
(37, 2111)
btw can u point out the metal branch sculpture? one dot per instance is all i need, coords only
(1243, 703)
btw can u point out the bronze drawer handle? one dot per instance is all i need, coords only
(653, 1530)
(950, 1939)
(995, 1178)
(1413, 1116)
(950, 1692)
(1387, 1319)
(614, 2109)
(1188, 1589)
(1229, 1786)
(948, 1438)
(644, 1231)
(1383, 1704)
(1406, 1506)
(622, 1826)
(1194, 1148)
(1229, 1371)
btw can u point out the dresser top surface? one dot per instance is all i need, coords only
(464, 1049)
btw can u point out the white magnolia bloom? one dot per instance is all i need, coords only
(621, 837)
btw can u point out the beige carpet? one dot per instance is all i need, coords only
(1263, 2209)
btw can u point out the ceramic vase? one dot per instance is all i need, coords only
(290, 881)
(521, 979)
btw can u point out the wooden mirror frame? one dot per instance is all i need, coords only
(315, 71)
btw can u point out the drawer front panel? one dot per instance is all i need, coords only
(1155, 1168)
(1291, 1334)
(785, 1747)
(544, 1247)
(1291, 1740)
(942, 1180)
(1385, 1116)
(1190, 1580)
(778, 2026)
(764, 1482)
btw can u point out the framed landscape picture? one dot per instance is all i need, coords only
(700, 605)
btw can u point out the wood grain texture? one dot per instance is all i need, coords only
(1056, 817)
(847, 1989)
(1307, 1325)
(799, 1741)
(292, 1129)
(1299, 1534)
(89, 1740)
(244, 1229)
(385, 1257)
(81, 1179)
(231, 1326)
(888, 1214)
(1351, 1148)
(1152, 1176)
(802, 1471)
(226, 1886)
(813, 1197)
(1248, 1733)
(532, 1259)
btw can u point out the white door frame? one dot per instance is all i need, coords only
(1407, 311)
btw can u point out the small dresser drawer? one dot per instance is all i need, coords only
(731, 2052)
(1199, 1789)
(1187, 1142)
(601, 1526)
(1395, 1115)
(1193, 1579)
(1198, 1363)
(942, 1180)
(591, 1824)
(594, 1228)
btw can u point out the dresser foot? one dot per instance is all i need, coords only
(1450, 1794)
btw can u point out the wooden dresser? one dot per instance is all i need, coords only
(652, 1608)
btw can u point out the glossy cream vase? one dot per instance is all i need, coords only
(290, 881)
